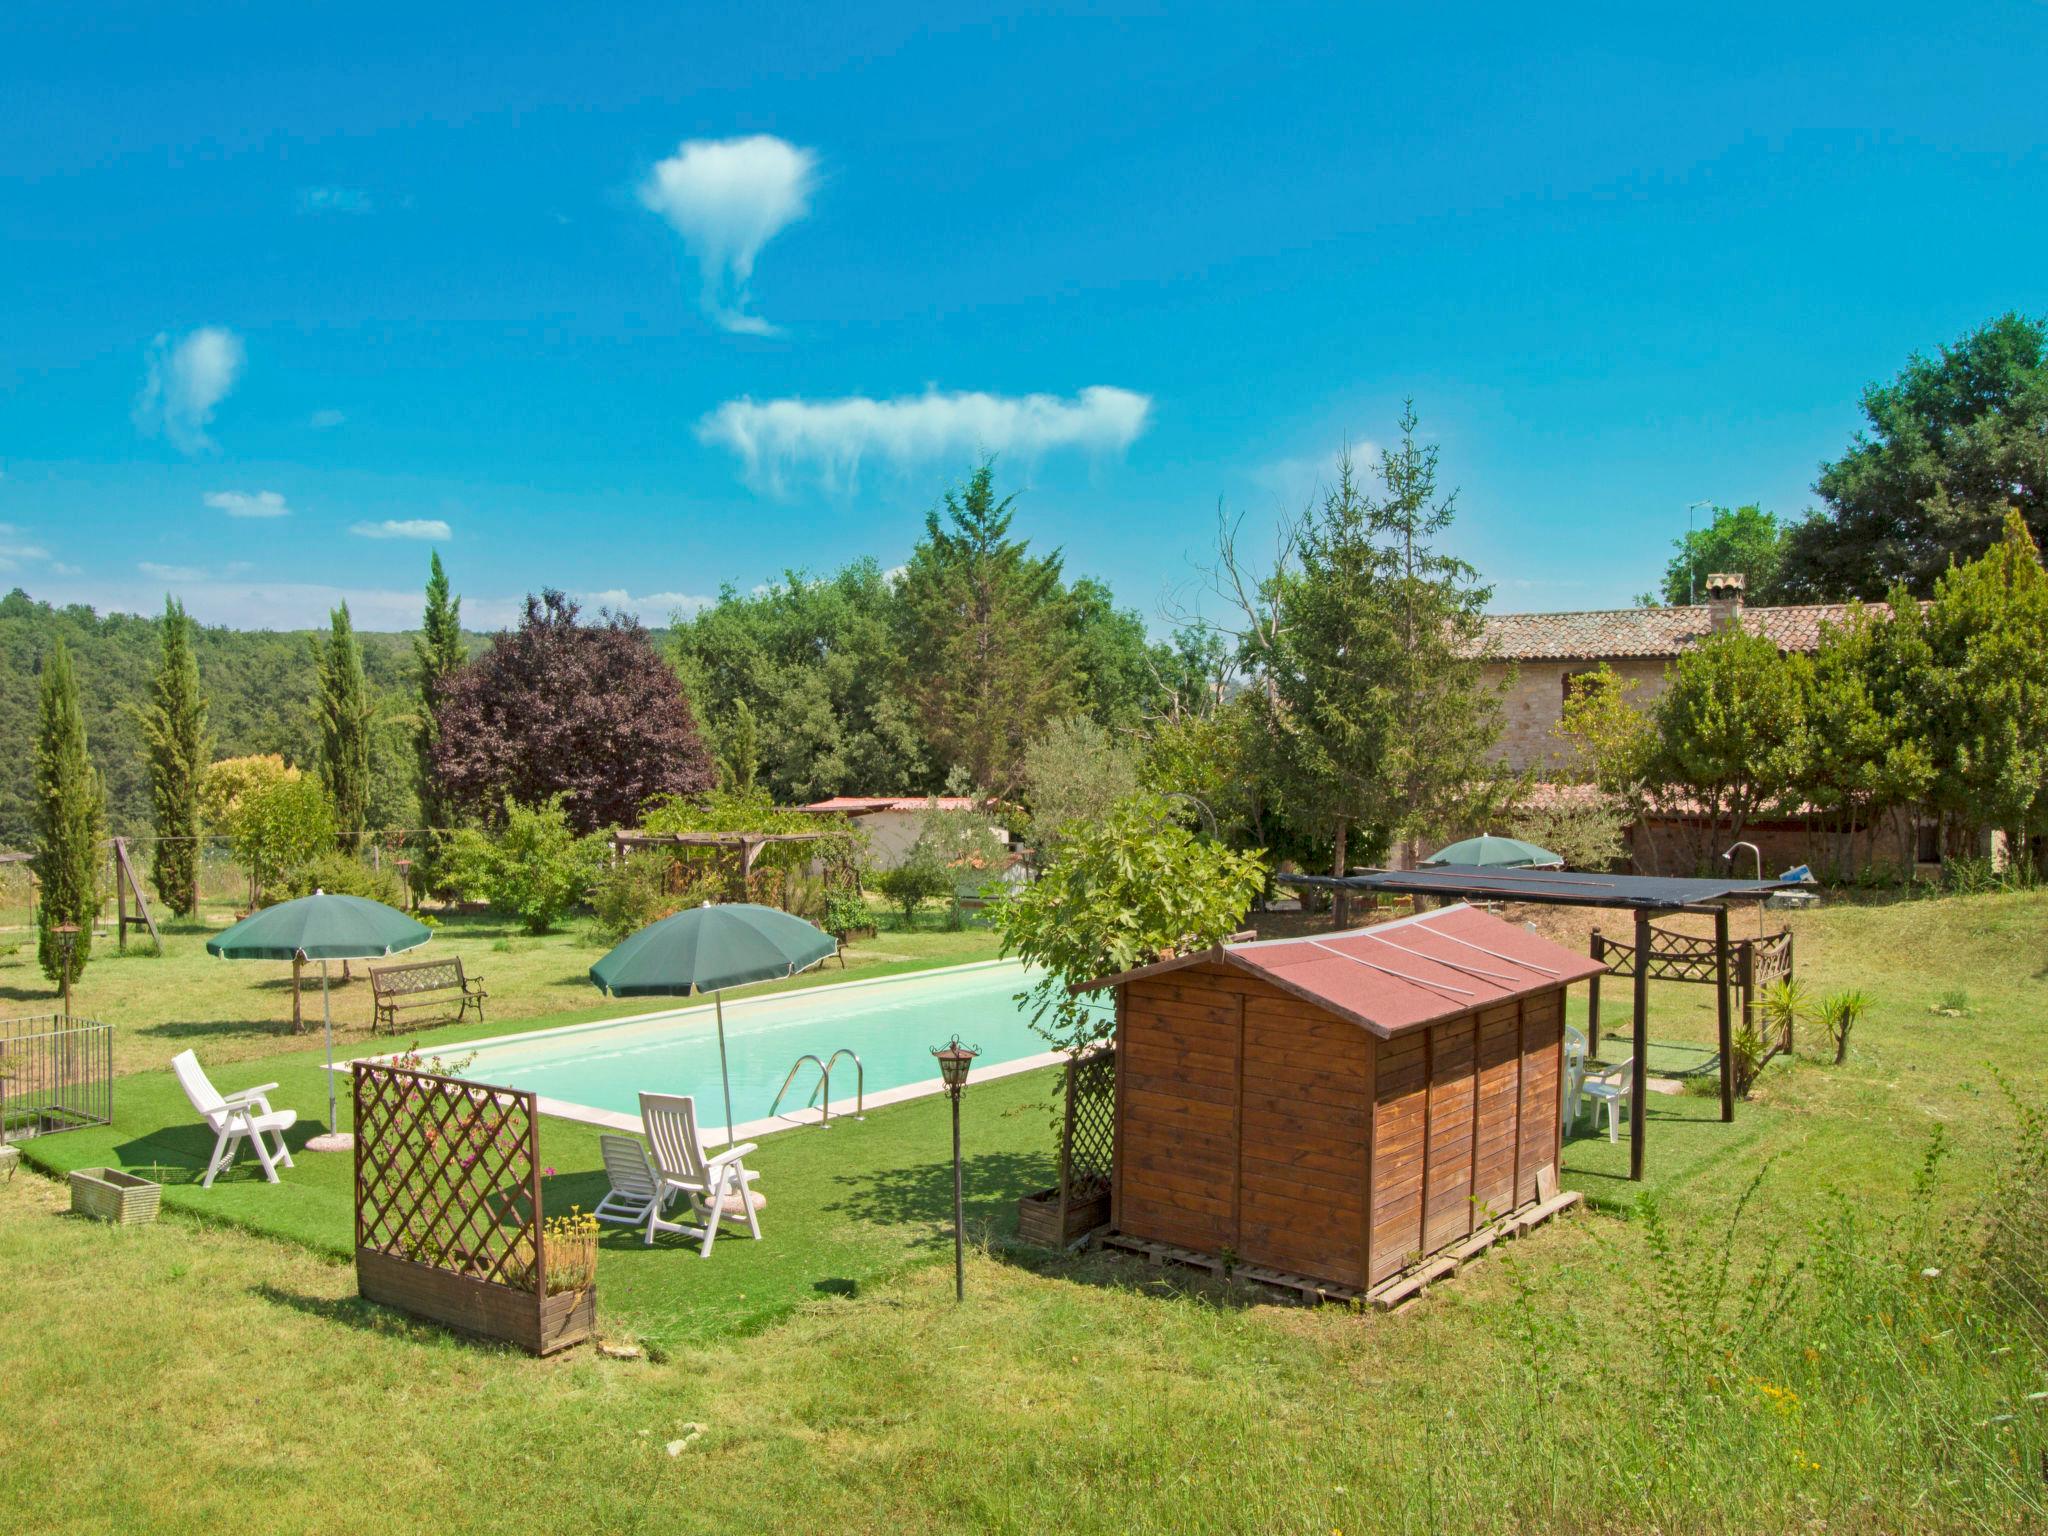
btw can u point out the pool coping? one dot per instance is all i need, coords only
(619, 1120)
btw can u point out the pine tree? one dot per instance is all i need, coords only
(174, 738)
(70, 820)
(342, 714)
(438, 653)
(1375, 716)
(988, 651)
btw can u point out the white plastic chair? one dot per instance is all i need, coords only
(235, 1118)
(1613, 1089)
(1574, 1074)
(636, 1188)
(717, 1186)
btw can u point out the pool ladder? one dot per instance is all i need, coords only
(860, 1086)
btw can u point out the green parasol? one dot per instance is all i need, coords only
(322, 927)
(707, 949)
(1490, 852)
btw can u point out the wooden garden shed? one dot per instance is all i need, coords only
(1343, 1106)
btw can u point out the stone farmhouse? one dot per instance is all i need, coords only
(1545, 651)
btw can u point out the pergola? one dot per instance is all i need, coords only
(747, 845)
(1646, 895)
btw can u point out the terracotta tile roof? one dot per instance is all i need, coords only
(1622, 632)
(1401, 975)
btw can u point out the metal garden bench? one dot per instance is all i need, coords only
(427, 984)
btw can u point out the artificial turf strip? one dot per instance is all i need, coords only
(848, 1206)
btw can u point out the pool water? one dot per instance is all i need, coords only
(891, 1024)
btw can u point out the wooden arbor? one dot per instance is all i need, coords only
(1646, 895)
(739, 850)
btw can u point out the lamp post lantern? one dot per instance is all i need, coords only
(67, 941)
(954, 1060)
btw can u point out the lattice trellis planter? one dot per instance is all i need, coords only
(1079, 1203)
(448, 1210)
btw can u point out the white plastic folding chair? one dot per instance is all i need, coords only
(1611, 1090)
(636, 1188)
(1574, 1074)
(235, 1118)
(717, 1187)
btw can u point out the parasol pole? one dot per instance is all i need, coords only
(718, 1002)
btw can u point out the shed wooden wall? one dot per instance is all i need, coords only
(1248, 1119)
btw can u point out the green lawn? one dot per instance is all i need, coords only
(191, 1375)
(237, 1010)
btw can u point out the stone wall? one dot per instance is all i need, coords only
(1532, 707)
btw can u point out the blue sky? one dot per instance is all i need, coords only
(641, 301)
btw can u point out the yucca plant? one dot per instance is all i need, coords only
(1784, 1005)
(1840, 1013)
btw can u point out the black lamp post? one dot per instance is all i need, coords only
(67, 941)
(954, 1060)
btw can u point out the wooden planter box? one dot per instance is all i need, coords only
(108, 1194)
(1038, 1218)
(540, 1325)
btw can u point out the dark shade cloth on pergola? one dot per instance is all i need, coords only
(1646, 895)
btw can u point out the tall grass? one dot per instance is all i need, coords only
(1885, 1374)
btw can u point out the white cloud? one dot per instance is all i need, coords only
(185, 383)
(403, 528)
(322, 421)
(833, 436)
(13, 550)
(334, 200)
(1296, 483)
(179, 573)
(653, 608)
(249, 503)
(727, 198)
(59, 568)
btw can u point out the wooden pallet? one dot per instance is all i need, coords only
(1389, 1294)
(1302, 1285)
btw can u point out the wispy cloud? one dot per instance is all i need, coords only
(651, 608)
(249, 503)
(403, 528)
(325, 421)
(727, 198)
(833, 436)
(334, 200)
(1297, 482)
(187, 573)
(185, 382)
(14, 549)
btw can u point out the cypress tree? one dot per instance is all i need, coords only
(178, 751)
(438, 653)
(342, 713)
(70, 807)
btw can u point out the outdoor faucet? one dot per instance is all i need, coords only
(1728, 858)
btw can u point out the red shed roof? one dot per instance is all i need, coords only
(1402, 975)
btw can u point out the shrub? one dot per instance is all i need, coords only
(627, 894)
(846, 912)
(1133, 889)
(1840, 1012)
(535, 870)
(1588, 830)
(280, 826)
(339, 874)
(916, 880)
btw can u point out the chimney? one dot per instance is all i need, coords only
(1724, 599)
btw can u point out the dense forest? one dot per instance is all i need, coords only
(259, 687)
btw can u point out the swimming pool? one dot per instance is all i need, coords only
(596, 1072)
